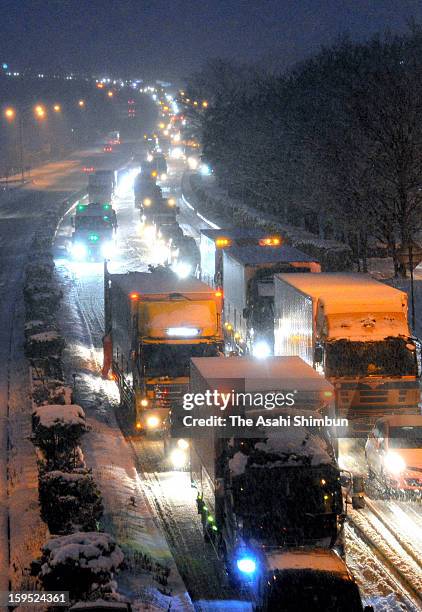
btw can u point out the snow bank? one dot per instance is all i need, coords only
(50, 415)
(96, 551)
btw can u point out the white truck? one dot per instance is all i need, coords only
(262, 489)
(355, 330)
(213, 242)
(248, 290)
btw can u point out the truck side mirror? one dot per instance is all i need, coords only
(318, 354)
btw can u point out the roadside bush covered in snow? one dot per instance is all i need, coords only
(43, 344)
(41, 267)
(57, 430)
(69, 501)
(50, 391)
(82, 563)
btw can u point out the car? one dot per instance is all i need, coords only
(108, 149)
(394, 452)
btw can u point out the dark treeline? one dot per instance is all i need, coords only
(334, 146)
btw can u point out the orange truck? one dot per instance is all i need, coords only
(155, 323)
(355, 331)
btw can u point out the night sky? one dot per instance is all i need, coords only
(169, 39)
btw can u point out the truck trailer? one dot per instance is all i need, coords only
(248, 288)
(101, 186)
(355, 330)
(213, 242)
(154, 323)
(267, 488)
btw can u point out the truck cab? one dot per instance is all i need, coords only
(94, 232)
(156, 323)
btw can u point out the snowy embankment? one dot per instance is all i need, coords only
(151, 579)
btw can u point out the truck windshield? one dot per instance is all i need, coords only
(172, 359)
(308, 591)
(283, 505)
(389, 357)
(92, 223)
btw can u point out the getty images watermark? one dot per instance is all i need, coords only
(217, 399)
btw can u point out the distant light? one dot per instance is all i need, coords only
(153, 422)
(134, 296)
(57, 108)
(81, 103)
(205, 170)
(205, 104)
(246, 565)
(110, 94)
(261, 350)
(100, 85)
(178, 458)
(10, 113)
(39, 111)
(193, 163)
(182, 270)
(5, 66)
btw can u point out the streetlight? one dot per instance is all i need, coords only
(57, 108)
(81, 103)
(110, 94)
(10, 114)
(39, 111)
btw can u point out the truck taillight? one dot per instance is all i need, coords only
(218, 293)
(138, 425)
(134, 296)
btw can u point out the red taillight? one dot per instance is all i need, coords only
(134, 296)
(218, 294)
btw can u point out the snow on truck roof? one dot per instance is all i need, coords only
(319, 559)
(252, 255)
(340, 287)
(275, 373)
(150, 283)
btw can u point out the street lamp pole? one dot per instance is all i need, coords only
(412, 290)
(21, 147)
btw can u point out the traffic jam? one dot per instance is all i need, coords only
(306, 494)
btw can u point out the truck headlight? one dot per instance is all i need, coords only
(183, 444)
(178, 458)
(394, 463)
(79, 250)
(147, 202)
(153, 422)
(261, 350)
(163, 176)
(246, 565)
(107, 249)
(182, 269)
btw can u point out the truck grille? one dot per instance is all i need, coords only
(169, 396)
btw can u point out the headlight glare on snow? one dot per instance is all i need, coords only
(394, 463)
(79, 250)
